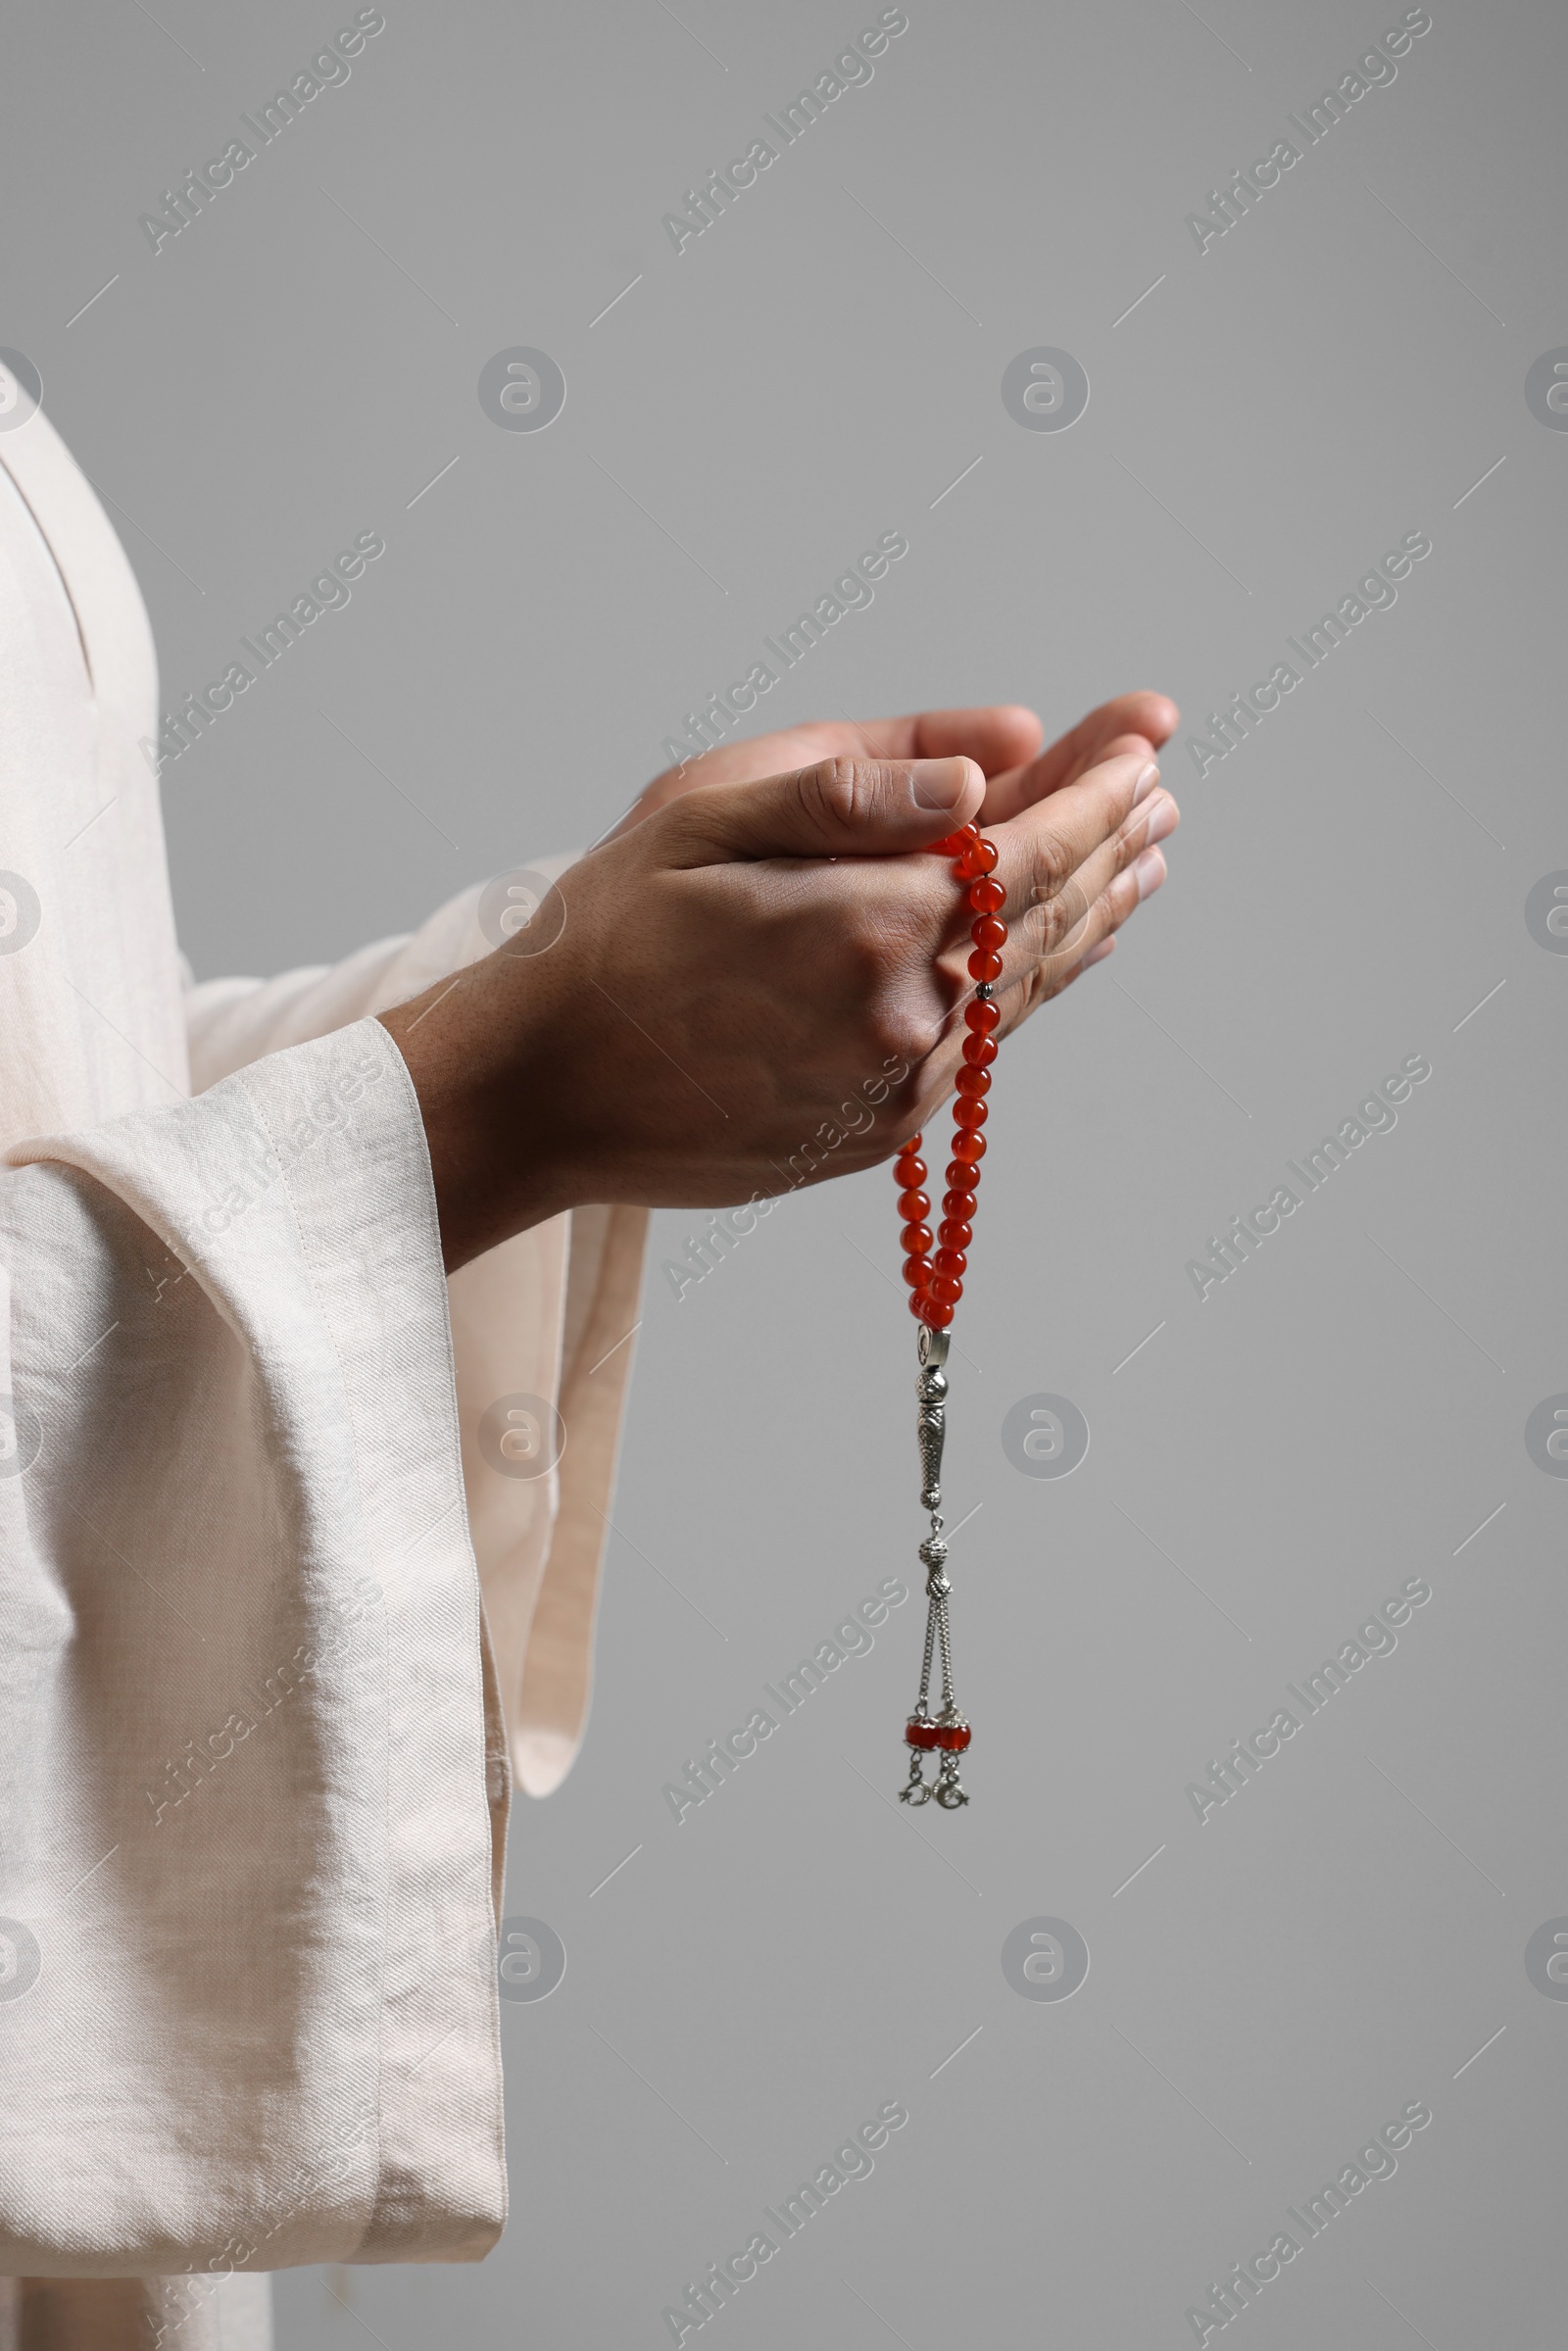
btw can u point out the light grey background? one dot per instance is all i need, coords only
(1347, 887)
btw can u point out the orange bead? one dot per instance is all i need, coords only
(973, 1082)
(909, 1171)
(979, 1049)
(983, 965)
(982, 1016)
(944, 1291)
(915, 1206)
(980, 858)
(987, 931)
(916, 1240)
(965, 1114)
(917, 1272)
(935, 1313)
(986, 896)
(951, 1261)
(960, 1204)
(953, 1232)
(962, 1178)
(967, 1143)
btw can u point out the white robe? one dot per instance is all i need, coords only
(253, 1761)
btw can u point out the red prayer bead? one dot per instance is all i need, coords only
(955, 845)
(919, 1733)
(935, 1279)
(954, 1736)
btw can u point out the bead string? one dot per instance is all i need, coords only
(935, 1282)
(935, 1278)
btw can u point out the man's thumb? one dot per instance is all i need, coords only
(838, 807)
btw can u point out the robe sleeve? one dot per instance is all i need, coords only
(542, 1332)
(247, 1961)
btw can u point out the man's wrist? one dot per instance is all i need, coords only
(484, 1104)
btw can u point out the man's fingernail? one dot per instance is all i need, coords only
(938, 783)
(1151, 871)
(1146, 783)
(1162, 822)
(1098, 954)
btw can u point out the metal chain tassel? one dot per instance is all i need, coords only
(936, 1284)
(947, 1729)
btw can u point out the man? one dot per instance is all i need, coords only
(304, 1285)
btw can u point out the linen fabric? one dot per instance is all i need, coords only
(274, 1610)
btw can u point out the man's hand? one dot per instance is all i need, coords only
(744, 959)
(1002, 740)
